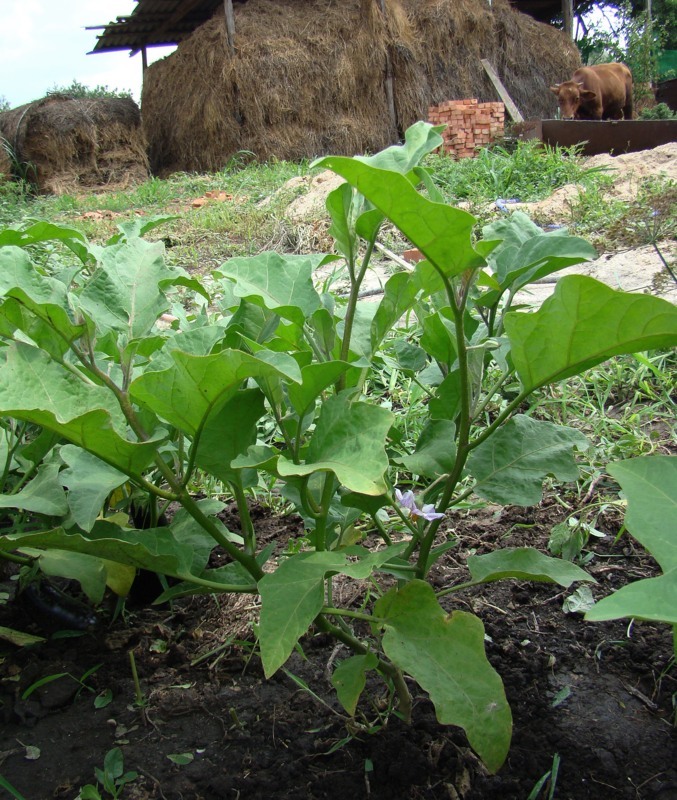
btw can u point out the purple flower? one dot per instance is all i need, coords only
(407, 501)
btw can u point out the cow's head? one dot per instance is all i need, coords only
(571, 96)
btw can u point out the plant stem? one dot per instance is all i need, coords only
(325, 503)
(383, 666)
(248, 532)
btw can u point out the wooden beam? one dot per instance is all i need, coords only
(502, 92)
(568, 17)
(144, 61)
(230, 26)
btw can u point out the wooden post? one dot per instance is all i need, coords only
(568, 17)
(390, 92)
(144, 60)
(502, 91)
(230, 25)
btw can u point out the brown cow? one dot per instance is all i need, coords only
(603, 91)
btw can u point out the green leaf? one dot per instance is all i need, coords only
(181, 758)
(349, 440)
(197, 386)
(650, 486)
(526, 564)
(582, 324)
(440, 232)
(90, 572)
(399, 295)
(653, 599)
(435, 452)
(155, 549)
(439, 339)
(510, 465)
(44, 297)
(340, 204)
(420, 139)
(43, 495)
(293, 595)
(527, 253)
(89, 481)
(447, 402)
(18, 638)
(350, 677)
(42, 231)
(315, 378)
(228, 433)
(445, 654)
(280, 282)
(125, 293)
(35, 388)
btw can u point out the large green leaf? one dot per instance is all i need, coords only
(420, 139)
(650, 486)
(293, 595)
(280, 282)
(44, 297)
(229, 432)
(89, 481)
(441, 233)
(155, 549)
(125, 293)
(90, 572)
(445, 654)
(582, 324)
(37, 389)
(509, 466)
(653, 599)
(349, 440)
(526, 564)
(42, 231)
(43, 495)
(527, 253)
(197, 386)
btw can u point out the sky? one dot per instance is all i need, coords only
(43, 43)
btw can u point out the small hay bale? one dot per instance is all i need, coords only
(308, 76)
(70, 144)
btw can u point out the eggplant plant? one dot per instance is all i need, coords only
(265, 377)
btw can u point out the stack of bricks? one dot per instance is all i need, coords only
(470, 125)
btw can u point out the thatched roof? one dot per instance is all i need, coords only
(162, 22)
(308, 76)
(68, 143)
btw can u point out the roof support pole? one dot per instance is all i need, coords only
(230, 26)
(144, 60)
(568, 17)
(390, 93)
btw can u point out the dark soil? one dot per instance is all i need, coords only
(598, 696)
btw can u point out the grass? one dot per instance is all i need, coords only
(626, 407)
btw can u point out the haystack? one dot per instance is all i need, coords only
(5, 163)
(66, 144)
(308, 77)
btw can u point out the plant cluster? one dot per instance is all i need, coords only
(106, 410)
(79, 90)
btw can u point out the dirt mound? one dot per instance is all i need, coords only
(64, 143)
(309, 77)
